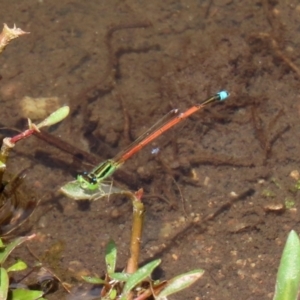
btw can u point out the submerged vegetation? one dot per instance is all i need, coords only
(135, 282)
(13, 210)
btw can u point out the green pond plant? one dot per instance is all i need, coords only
(7, 189)
(288, 276)
(9, 142)
(6, 291)
(6, 208)
(135, 282)
(11, 197)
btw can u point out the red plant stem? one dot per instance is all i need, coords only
(22, 135)
(9, 143)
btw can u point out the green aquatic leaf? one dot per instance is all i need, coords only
(4, 283)
(111, 256)
(22, 294)
(122, 277)
(74, 191)
(55, 117)
(138, 276)
(4, 253)
(288, 276)
(113, 294)
(20, 265)
(93, 280)
(179, 283)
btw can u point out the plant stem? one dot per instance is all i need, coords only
(4, 152)
(136, 234)
(8, 144)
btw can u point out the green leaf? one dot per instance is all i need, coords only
(288, 276)
(111, 256)
(4, 282)
(113, 294)
(55, 117)
(93, 280)
(21, 294)
(137, 277)
(179, 283)
(4, 253)
(122, 277)
(18, 266)
(74, 191)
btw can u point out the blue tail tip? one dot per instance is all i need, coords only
(223, 95)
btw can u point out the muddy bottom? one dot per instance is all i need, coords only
(220, 193)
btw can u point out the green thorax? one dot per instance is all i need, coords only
(92, 180)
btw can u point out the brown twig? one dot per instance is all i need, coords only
(207, 11)
(181, 196)
(279, 53)
(225, 160)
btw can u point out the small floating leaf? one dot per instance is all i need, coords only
(93, 280)
(140, 275)
(288, 277)
(113, 294)
(18, 266)
(55, 117)
(11, 246)
(179, 283)
(111, 256)
(122, 277)
(22, 294)
(74, 191)
(4, 282)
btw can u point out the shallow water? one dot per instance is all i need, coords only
(121, 65)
